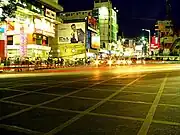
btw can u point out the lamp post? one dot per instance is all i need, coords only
(58, 51)
(149, 31)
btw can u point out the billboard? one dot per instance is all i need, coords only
(92, 22)
(72, 33)
(155, 43)
(95, 41)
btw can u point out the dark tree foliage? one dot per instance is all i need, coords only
(8, 10)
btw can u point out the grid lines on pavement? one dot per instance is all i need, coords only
(99, 114)
(69, 122)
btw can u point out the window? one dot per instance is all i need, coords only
(104, 45)
(9, 40)
(45, 41)
(38, 39)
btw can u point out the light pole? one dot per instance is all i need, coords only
(149, 31)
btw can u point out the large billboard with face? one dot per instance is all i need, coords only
(72, 33)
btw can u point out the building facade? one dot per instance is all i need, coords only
(77, 38)
(106, 17)
(107, 20)
(33, 30)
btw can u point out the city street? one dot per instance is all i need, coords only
(129, 100)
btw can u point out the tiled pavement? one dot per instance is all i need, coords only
(102, 104)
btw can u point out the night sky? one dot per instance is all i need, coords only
(133, 15)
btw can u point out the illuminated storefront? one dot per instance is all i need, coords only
(28, 36)
(31, 32)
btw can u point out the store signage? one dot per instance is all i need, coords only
(155, 43)
(92, 22)
(23, 42)
(36, 9)
(1, 30)
(51, 14)
(21, 3)
(48, 28)
(38, 25)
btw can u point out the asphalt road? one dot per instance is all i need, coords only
(142, 100)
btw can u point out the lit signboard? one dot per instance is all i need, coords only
(103, 13)
(44, 27)
(38, 26)
(72, 33)
(1, 30)
(49, 13)
(36, 9)
(48, 28)
(95, 41)
(92, 22)
(22, 3)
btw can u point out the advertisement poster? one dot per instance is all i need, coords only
(72, 33)
(155, 43)
(23, 43)
(95, 41)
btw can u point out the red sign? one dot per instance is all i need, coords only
(92, 22)
(155, 43)
(2, 48)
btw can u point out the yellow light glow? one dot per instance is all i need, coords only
(96, 62)
(103, 12)
(110, 62)
(118, 62)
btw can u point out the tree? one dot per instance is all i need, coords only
(7, 9)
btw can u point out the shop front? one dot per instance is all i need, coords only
(33, 51)
(28, 36)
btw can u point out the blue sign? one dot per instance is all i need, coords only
(1, 30)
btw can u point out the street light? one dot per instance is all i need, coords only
(58, 51)
(149, 31)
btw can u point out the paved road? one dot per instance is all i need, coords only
(120, 101)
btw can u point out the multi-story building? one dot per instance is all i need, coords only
(33, 30)
(106, 17)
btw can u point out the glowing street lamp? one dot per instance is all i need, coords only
(143, 38)
(149, 31)
(144, 42)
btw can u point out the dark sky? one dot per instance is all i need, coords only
(133, 14)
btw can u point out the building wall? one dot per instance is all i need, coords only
(36, 22)
(107, 21)
(102, 3)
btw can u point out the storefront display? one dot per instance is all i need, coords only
(28, 34)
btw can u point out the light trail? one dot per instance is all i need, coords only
(95, 70)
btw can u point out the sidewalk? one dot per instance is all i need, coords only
(63, 69)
